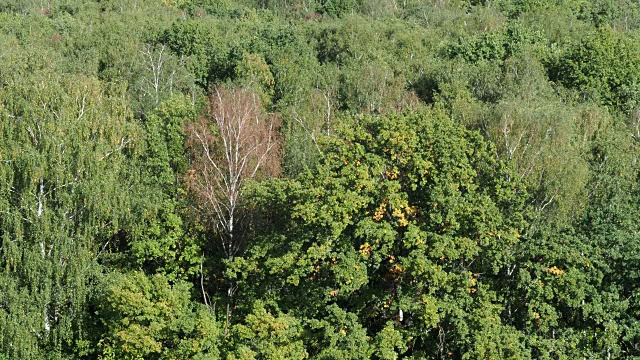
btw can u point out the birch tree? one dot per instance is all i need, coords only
(232, 142)
(63, 145)
(161, 75)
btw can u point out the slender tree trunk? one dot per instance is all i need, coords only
(47, 325)
(231, 143)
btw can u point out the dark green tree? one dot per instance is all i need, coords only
(401, 230)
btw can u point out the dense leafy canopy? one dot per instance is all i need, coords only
(319, 179)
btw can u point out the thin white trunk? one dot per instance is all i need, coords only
(40, 197)
(45, 314)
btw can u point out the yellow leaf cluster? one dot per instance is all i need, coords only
(402, 221)
(401, 215)
(392, 174)
(379, 214)
(365, 249)
(396, 269)
(473, 282)
(555, 270)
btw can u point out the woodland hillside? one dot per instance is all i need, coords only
(319, 179)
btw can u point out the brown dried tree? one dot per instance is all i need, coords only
(232, 141)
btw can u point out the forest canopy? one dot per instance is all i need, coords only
(319, 179)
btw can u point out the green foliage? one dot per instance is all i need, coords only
(498, 44)
(564, 284)
(339, 335)
(394, 216)
(148, 318)
(265, 336)
(158, 238)
(252, 70)
(517, 8)
(337, 7)
(460, 180)
(164, 157)
(188, 38)
(64, 150)
(602, 67)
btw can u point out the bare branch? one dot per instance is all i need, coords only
(232, 142)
